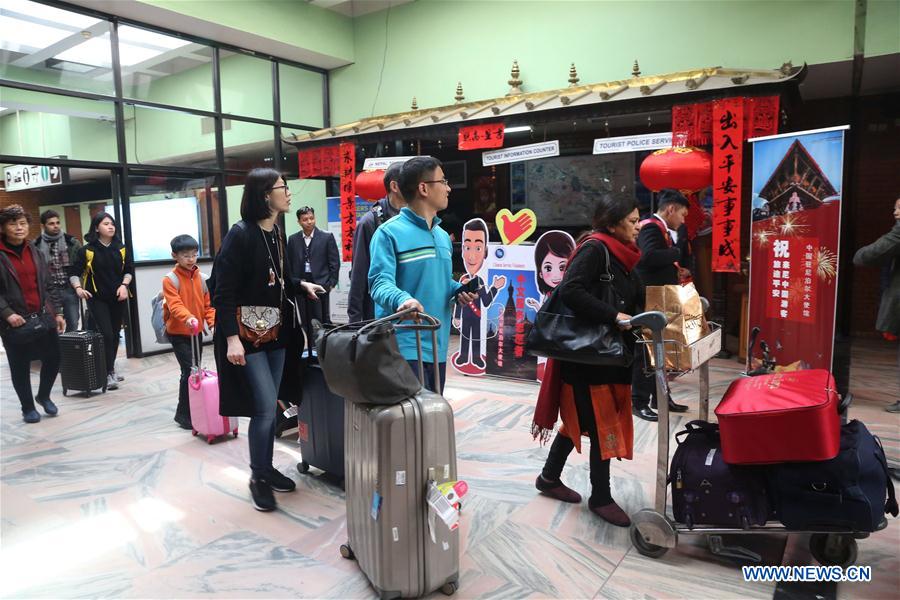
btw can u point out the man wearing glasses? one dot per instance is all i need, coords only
(314, 253)
(411, 263)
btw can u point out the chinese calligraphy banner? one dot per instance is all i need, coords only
(727, 139)
(794, 246)
(348, 199)
(319, 162)
(487, 135)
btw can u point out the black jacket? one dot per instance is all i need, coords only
(12, 300)
(658, 257)
(322, 254)
(240, 277)
(360, 306)
(107, 269)
(582, 290)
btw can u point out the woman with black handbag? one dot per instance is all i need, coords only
(593, 396)
(31, 312)
(255, 315)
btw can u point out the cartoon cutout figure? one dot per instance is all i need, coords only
(551, 258)
(468, 318)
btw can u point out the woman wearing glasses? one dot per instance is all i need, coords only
(252, 295)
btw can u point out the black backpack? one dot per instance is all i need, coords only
(851, 491)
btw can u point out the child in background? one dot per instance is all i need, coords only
(187, 311)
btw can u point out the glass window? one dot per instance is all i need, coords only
(50, 46)
(165, 69)
(50, 125)
(301, 96)
(163, 206)
(167, 137)
(248, 145)
(246, 85)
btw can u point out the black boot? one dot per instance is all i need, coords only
(645, 412)
(673, 407)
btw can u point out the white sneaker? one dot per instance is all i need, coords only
(111, 383)
(118, 376)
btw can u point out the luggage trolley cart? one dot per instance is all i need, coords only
(653, 532)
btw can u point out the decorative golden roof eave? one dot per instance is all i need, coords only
(697, 80)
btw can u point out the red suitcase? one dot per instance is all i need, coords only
(783, 417)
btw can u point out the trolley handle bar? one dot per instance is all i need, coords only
(653, 320)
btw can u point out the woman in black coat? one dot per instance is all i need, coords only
(253, 297)
(594, 400)
(30, 313)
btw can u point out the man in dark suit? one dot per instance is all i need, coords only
(315, 257)
(661, 256)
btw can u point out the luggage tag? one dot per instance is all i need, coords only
(441, 506)
(454, 491)
(291, 411)
(376, 506)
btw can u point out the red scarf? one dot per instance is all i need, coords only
(546, 412)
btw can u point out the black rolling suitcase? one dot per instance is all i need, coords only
(82, 361)
(320, 425)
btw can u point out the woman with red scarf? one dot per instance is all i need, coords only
(594, 400)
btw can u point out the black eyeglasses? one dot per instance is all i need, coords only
(278, 187)
(444, 181)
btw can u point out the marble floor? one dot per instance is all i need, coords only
(112, 499)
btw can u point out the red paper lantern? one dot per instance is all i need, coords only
(370, 185)
(687, 169)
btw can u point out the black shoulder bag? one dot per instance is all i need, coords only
(559, 334)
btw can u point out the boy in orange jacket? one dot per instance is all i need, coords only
(187, 310)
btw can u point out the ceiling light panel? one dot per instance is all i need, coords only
(26, 37)
(34, 10)
(143, 37)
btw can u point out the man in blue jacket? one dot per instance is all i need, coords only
(411, 263)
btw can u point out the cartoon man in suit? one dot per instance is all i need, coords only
(468, 318)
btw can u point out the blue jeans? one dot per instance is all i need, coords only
(70, 303)
(263, 373)
(429, 374)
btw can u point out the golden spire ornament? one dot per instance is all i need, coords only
(636, 69)
(515, 84)
(414, 105)
(573, 76)
(459, 97)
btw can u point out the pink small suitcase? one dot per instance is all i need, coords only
(203, 395)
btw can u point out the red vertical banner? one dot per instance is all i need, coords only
(348, 199)
(727, 140)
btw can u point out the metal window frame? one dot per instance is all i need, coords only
(121, 170)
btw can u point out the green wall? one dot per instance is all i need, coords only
(432, 44)
(308, 192)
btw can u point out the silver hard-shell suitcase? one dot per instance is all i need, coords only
(392, 454)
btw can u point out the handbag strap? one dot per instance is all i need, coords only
(891, 505)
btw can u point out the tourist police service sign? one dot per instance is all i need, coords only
(520, 153)
(23, 177)
(633, 143)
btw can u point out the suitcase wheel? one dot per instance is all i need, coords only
(209, 439)
(347, 552)
(194, 432)
(303, 467)
(643, 546)
(449, 588)
(235, 432)
(833, 549)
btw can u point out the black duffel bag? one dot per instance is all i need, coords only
(708, 491)
(852, 491)
(362, 362)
